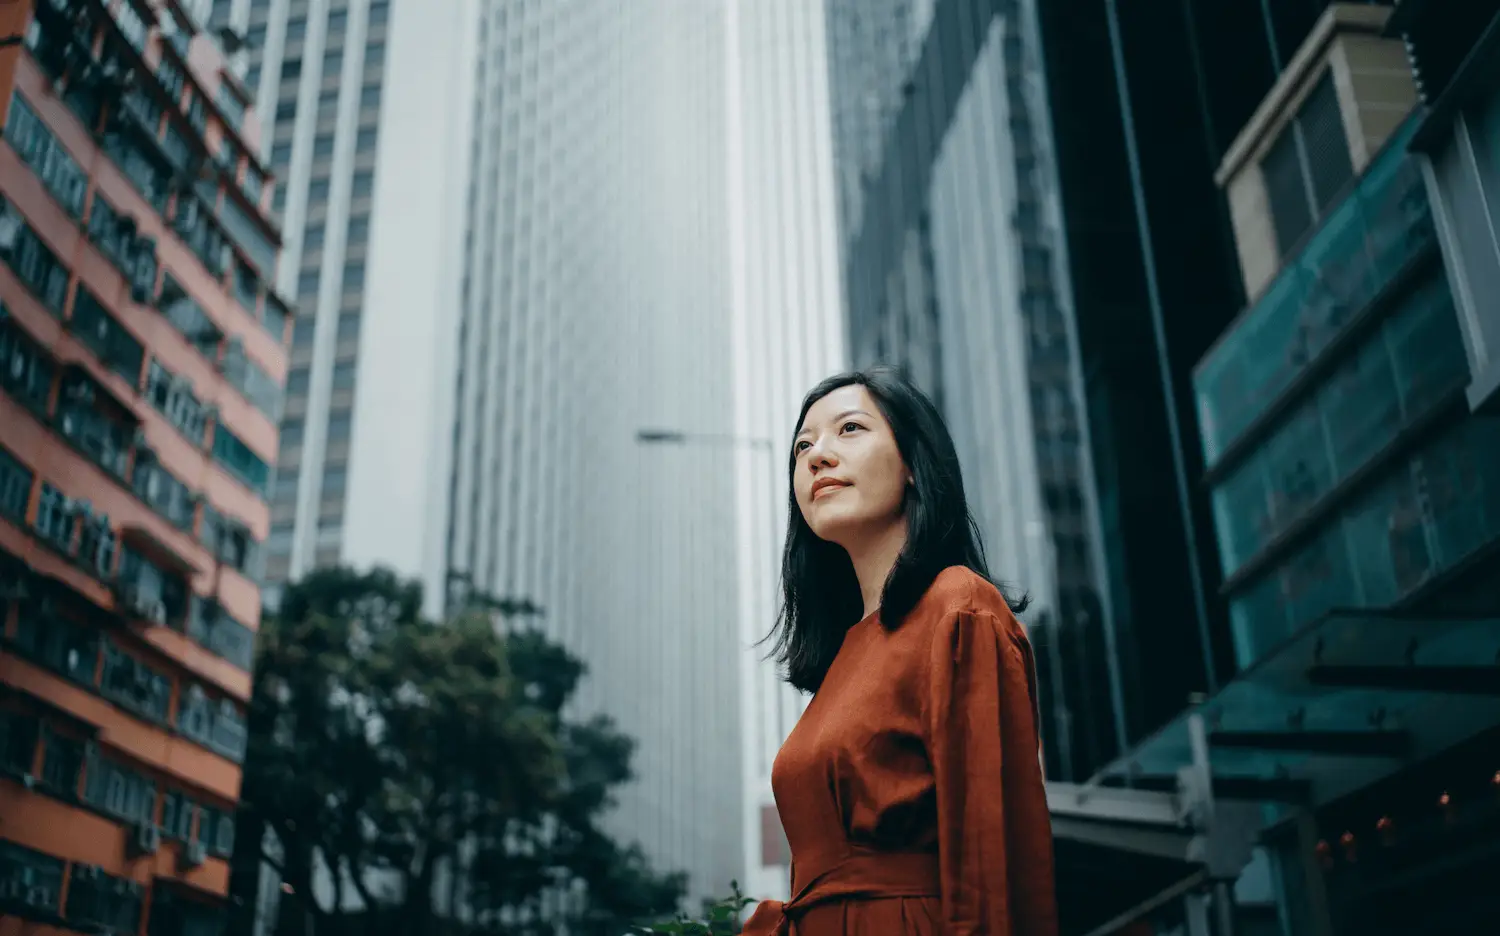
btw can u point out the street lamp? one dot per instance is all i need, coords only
(677, 437)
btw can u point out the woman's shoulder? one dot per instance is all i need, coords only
(959, 591)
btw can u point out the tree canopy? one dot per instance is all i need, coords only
(436, 768)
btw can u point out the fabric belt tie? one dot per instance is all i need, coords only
(859, 875)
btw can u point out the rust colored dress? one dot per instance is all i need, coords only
(911, 790)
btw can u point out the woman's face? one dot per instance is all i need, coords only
(850, 480)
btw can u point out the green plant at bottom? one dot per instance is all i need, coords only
(720, 918)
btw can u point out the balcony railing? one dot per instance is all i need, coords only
(1362, 247)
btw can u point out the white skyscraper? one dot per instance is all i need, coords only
(788, 335)
(521, 232)
(596, 304)
(366, 105)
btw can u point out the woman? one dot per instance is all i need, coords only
(910, 790)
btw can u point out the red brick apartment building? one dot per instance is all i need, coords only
(142, 354)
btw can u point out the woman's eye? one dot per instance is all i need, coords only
(852, 426)
(801, 446)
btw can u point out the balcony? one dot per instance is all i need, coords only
(102, 428)
(1363, 247)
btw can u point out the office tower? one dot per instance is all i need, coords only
(788, 335)
(595, 320)
(1355, 499)
(366, 109)
(143, 349)
(955, 269)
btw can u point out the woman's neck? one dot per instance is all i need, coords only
(873, 560)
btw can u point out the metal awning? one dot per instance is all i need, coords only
(1349, 700)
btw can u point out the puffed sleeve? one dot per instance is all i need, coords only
(994, 832)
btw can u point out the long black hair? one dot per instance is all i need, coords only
(821, 598)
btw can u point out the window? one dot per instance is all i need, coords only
(380, 12)
(236, 457)
(246, 287)
(369, 97)
(230, 103)
(135, 685)
(173, 397)
(36, 145)
(348, 326)
(335, 478)
(339, 425)
(116, 347)
(56, 519)
(189, 318)
(333, 63)
(102, 902)
(97, 545)
(18, 738)
(35, 876)
(317, 192)
(338, 21)
(15, 487)
(104, 440)
(218, 633)
(254, 184)
(354, 277)
(177, 816)
(296, 30)
(58, 644)
(366, 140)
(291, 434)
(35, 263)
(363, 184)
(62, 764)
(273, 318)
(343, 375)
(303, 333)
(359, 229)
(25, 373)
(1308, 166)
(281, 156)
(150, 583)
(118, 790)
(162, 492)
(230, 731)
(216, 830)
(323, 147)
(312, 238)
(298, 381)
(251, 380)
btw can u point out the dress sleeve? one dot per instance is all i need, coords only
(994, 831)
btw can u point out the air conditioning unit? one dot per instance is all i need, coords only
(147, 839)
(194, 854)
(142, 604)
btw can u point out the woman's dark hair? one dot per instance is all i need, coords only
(821, 599)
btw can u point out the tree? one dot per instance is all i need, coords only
(432, 765)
